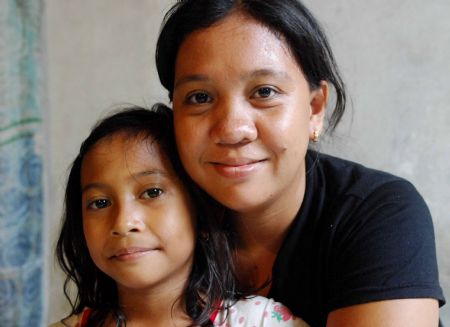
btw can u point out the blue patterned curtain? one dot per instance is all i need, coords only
(22, 89)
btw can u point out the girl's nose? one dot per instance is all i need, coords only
(234, 124)
(127, 220)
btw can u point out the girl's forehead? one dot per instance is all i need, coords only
(124, 142)
(126, 136)
(126, 149)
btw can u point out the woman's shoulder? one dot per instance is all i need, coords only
(346, 177)
(76, 320)
(361, 194)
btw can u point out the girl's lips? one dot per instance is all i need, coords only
(133, 253)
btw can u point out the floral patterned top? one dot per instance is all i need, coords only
(256, 311)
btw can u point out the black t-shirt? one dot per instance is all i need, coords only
(361, 235)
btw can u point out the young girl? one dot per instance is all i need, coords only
(141, 243)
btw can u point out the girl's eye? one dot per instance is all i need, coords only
(99, 204)
(199, 98)
(152, 193)
(264, 92)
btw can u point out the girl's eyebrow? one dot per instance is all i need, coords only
(149, 173)
(93, 186)
(134, 176)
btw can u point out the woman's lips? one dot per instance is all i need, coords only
(237, 170)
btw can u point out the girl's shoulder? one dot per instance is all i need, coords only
(78, 320)
(257, 311)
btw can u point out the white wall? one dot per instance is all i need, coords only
(100, 54)
(394, 56)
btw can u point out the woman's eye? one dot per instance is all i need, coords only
(152, 193)
(264, 92)
(199, 98)
(99, 204)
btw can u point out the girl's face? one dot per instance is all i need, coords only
(244, 114)
(137, 216)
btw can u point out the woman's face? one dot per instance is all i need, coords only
(243, 114)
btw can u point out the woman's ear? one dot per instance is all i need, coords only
(318, 103)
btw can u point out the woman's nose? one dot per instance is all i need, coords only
(234, 124)
(128, 219)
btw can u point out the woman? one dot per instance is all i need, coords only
(338, 243)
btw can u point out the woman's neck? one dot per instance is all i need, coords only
(261, 234)
(265, 227)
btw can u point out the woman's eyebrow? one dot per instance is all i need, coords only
(265, 72)
(191, 78)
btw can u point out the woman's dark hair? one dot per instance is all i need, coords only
(212, 278)
(287, 18)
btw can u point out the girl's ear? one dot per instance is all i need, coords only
(318, 103)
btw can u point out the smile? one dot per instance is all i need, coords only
(131, 253)
(237, 169)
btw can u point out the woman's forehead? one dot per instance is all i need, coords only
(236, 43)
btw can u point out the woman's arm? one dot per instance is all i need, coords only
(404, 312)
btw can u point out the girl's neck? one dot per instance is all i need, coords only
(154, 309)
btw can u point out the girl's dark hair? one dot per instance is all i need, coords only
(212, 278)
(287, 18)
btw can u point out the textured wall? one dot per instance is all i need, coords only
(100, 54)
(393, 55)
(395, 58)
(22, 107)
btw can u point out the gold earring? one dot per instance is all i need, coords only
(315, 136)
(204, 236)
